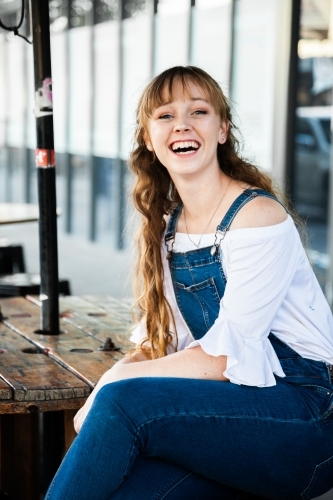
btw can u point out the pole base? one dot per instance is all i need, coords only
(47, 332)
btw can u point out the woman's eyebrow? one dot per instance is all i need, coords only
(166, 103)
(199, 99)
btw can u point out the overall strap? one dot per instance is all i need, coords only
(169, 237)
(239, 203)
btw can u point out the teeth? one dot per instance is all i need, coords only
(185, 144)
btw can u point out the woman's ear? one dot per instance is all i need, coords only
(147, 141)
(223, 132)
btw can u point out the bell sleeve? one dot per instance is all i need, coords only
(260, 265)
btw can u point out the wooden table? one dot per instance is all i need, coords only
(15, 213)
(45, 379)
(11, 213)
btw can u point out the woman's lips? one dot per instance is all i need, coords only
(185, 147)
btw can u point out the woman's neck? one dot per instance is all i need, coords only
(200, 199)
(201, 196)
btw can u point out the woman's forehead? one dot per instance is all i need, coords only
(183, 90)
(178, 90)
(166, 90)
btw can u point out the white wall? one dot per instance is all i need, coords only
(212, 31)
(2, 92)
(260, 79)
(136, 73)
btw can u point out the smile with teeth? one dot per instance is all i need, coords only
(184, 147)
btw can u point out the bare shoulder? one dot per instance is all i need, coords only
(259, 212)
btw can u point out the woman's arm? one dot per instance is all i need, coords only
(190, 363)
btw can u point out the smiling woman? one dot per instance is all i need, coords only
(234, 340)
(187, 126)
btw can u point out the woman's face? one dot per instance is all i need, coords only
(185, 131)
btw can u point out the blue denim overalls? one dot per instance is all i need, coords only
(199, 283)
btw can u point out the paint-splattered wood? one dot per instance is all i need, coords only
(117, 307)
(74, 349)
(101, 329)
(32, 375)
(117, 313)
(80, 313)
(97, 322)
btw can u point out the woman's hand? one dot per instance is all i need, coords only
(109, 376)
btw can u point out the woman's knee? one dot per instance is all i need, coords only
(125, 396)
(135, 391)
(120, 391)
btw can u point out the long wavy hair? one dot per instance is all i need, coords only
(155, 196)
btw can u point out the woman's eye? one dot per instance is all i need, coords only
(200, 112)
(166, 116)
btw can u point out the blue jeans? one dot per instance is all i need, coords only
(179, 439)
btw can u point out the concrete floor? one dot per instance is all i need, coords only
(91, 268)
(327, 496)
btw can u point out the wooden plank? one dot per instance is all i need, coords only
(32, 375)
(25, 407)
(5, 390)
(102, 329)
(117, 317)
(74, 350)
(96, 322)
(119, 308)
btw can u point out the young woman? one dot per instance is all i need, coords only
(228, 393)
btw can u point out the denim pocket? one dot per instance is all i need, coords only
(321, 480)
(320, 398)
(199, 304)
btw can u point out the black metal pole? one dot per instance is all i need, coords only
(45, 163)
(292, 99)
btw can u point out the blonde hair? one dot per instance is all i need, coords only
(155, 196)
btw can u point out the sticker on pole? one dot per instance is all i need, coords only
(45, 158)
(43, 99)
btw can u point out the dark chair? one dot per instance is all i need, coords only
(14, 281)
(11, 259)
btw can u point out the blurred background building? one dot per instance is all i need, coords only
(273, 58)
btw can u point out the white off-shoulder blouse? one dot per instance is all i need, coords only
(270, 287)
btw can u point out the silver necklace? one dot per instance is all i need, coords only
(210, 220)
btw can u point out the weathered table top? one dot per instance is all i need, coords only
(11, 213)
(41, 373)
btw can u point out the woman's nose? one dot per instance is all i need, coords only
(182, 126)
